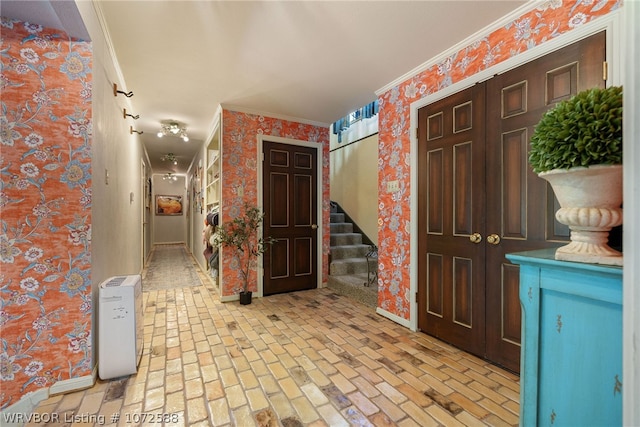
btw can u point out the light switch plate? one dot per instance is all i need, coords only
(393, 186)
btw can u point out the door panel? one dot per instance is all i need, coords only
(474, 177)
(451, 140)
(290, 206)
(521, 206)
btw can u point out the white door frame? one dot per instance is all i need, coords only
(319, 181)
(143, 200)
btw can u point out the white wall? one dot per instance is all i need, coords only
(169, 228)
(117, 157)
(354, 182)
(117, 209)
(148, 212)
(631, 237)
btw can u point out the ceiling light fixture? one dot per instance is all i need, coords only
(170, 157)
(173, 129)
(170, 177)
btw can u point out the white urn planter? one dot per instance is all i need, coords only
(590, 204)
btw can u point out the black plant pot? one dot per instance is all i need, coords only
(245, 298)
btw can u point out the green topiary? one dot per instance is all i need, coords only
(582, 131)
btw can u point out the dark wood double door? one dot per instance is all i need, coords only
(479, 200)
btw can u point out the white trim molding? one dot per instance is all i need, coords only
(73, 384)
(20, 413)
(229, 298)
(319, 185)
(461, 45)
(394, 317)
(238, 109)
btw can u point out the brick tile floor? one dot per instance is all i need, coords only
(310, 358)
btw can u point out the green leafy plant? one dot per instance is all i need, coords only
(241, 235)
(584, 130)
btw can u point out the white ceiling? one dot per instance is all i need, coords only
(311, 60)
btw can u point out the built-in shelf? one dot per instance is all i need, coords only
(213, 173)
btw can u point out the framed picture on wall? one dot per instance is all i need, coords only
(168, 205)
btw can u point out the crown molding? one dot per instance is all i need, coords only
(237, 109)
(527, 7)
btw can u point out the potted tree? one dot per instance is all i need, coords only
(241, 236)
(577, 148)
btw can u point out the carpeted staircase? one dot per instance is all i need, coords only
(348, 272)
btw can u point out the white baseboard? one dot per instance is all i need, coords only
(236, 297)
(393, 317)
(73, 384)
(227, 298)
(16, 414)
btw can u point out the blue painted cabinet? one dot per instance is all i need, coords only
(571, 360)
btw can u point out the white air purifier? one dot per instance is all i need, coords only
(120, 326)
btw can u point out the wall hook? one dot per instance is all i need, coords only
(132, 130)
(116, 92)
(125, 115)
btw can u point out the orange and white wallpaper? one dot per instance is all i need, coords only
(549, 20)
(240, 171)
(45, 202)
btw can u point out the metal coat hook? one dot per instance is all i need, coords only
(132, 130)
(125, 115)
(116, 92)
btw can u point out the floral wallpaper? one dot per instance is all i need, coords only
(240, 170)
(545, 22)
(45, 198)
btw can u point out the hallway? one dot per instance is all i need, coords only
(311, 358)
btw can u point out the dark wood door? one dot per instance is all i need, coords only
(521, 206)
(451, 208)
(500, 198)
(290, 206)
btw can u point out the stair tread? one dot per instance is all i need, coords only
(349, 260)
(354, 259)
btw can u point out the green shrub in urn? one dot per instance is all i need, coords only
(584, 130)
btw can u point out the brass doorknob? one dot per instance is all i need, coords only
(475, 238)
(493, 239)
(314, 226)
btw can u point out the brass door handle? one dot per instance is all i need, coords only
(475, 238)
(314, 226)
(493, 239)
